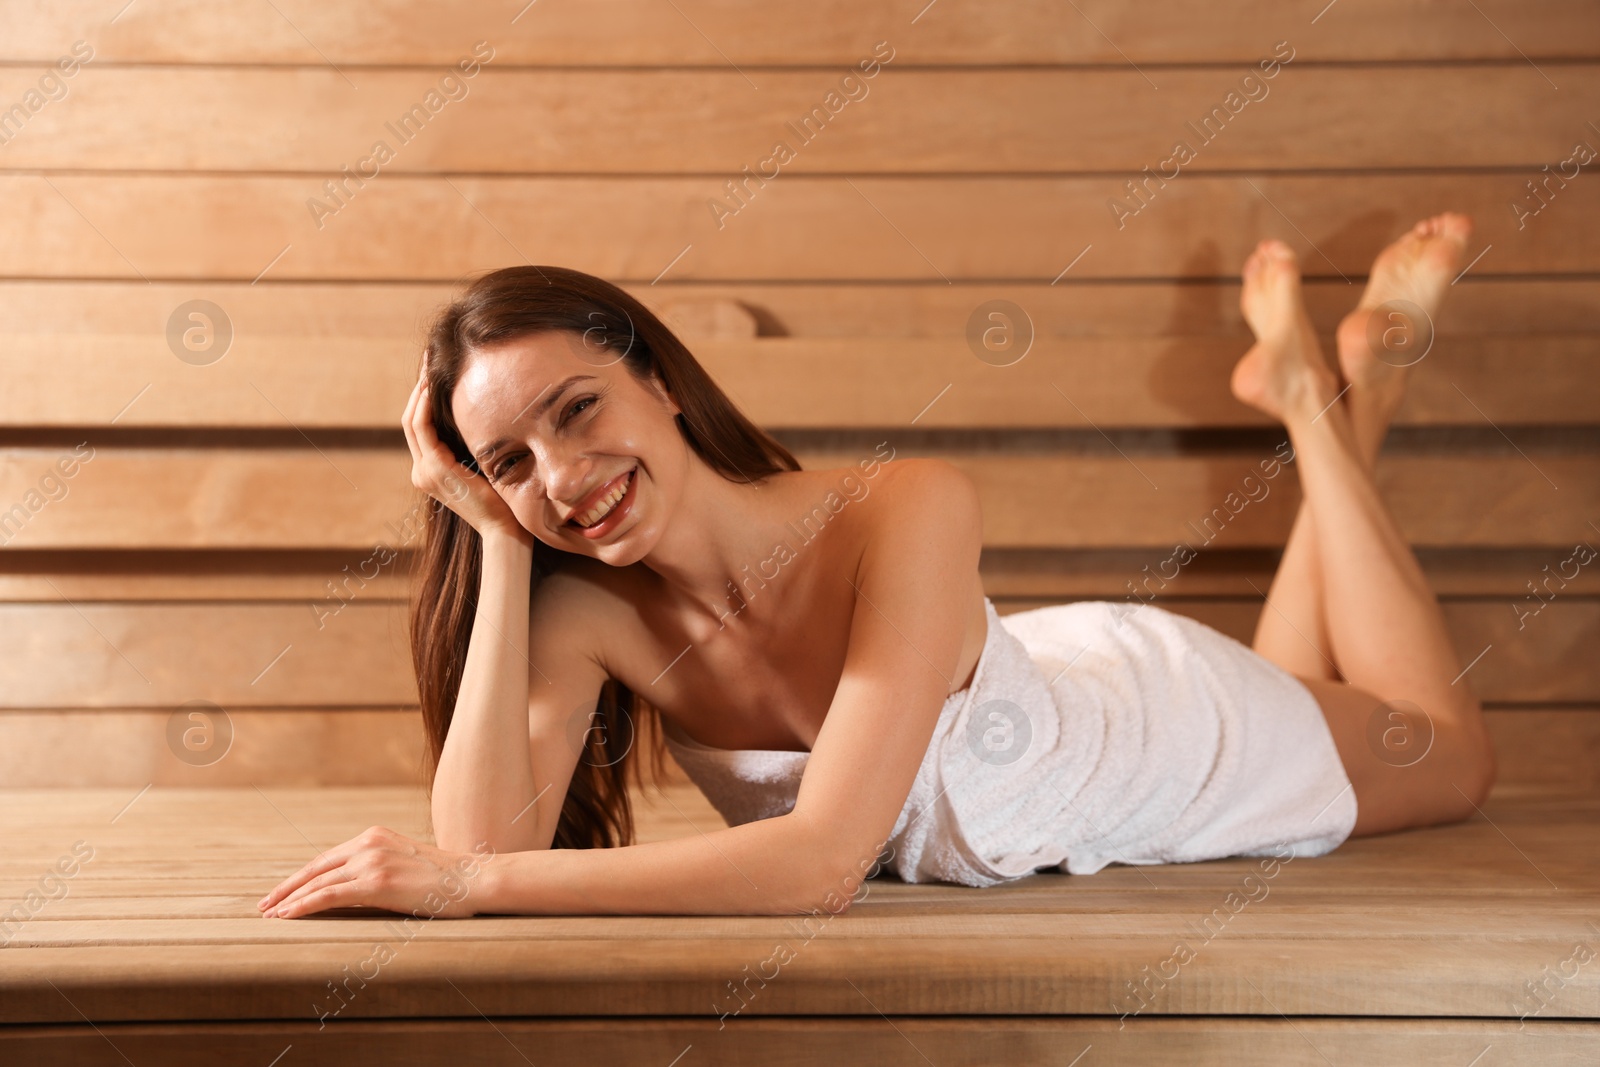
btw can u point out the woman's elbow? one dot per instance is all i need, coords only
(831, 882)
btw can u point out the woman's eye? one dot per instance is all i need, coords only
(502, 468)
(578, 407)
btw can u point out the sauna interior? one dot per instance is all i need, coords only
(227, 225)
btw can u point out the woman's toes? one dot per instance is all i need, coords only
(1278, 249)
(1454, 224)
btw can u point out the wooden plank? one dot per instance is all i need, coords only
(1546, 751)
(211, 498)
(317, 654)
(874, 228)
(240, 747)
(1039, 574)
(1042, 574)
(908, 1040)
(1443, 922)
(307, 577)
(1541, 752)
(783, 383)
(320, 652)
(236, 747)
(358, 498)
(1102, 501)
(719, 33)
(223, 925)
(397, 314)
(708, 121)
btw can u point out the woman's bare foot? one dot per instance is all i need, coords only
(1378, 343)
(1285, 373)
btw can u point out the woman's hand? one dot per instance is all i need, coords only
(436, 471)
(381, 869)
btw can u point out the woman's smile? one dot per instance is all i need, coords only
(606, 509)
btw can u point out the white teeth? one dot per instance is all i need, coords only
(602, 509)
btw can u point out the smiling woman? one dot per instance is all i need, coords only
(597, 496)
(618, 364)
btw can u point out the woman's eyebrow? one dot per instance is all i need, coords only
(483, 454)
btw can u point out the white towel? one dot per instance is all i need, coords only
(1092, 733)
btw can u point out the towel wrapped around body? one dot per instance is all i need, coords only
(1091, 733)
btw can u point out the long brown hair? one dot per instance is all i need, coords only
(501, 306)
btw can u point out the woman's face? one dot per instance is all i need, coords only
(561, 428)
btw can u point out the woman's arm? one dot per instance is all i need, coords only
(779, 866)
(490, 788)
(914, 594)
(913, 599)
(485, 774)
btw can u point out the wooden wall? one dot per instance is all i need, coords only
(218, 524)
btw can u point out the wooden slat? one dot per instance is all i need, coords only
(1100, 501)
(214, 498)
(355, 498)
(315, 654)
(268, 747)
(1046, 575)
(928, 229)
(1040, 574)
(274, 381)
(91, 917)
(1444, 922)
(955, 1041)
(235, 576)
(717, 33)
(234, 655)
(397, 314)
(986, 121)
(1541, 752)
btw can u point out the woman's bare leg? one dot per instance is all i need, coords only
(1384, 628)
(1292, 630)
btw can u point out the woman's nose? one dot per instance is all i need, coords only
(567, 476)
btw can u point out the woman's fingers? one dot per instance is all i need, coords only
(427, 436)
(286, 888)
(405, 419)
(334, 857)
(433, 464)
(295, 902)
(450, 479)
(436, 471)
(339, 895)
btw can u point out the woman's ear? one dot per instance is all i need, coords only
(664, 395)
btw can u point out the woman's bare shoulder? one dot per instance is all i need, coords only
(593, 604)
(923, 480)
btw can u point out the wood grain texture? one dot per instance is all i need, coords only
(723, 33)
(907, 1041)
(402, 227)
(204, 553)
(225, 748)
(1042, 574)
(397, 314)
(1541, 751)
(279, 381)
(352, 498)
(317, 654)
(313, 652)
(985, 121)
(1443, 922)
